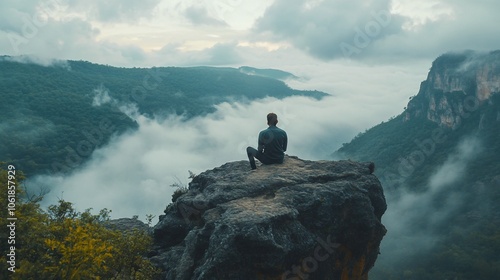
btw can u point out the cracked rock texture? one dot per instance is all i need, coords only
(297, 220)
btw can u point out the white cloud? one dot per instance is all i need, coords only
(132, 175)
(133, 33)
(330, 29)
(15, 14)
(101, 96)
(454, 167)
(112, 10)
(440, 28)
(382, 31)
(199, 16)
(43, 61)
(412, 218)
(420, 13)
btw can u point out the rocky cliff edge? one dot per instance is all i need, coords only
(297, 220)
(457, 85)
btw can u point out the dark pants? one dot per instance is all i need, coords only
(254, 154)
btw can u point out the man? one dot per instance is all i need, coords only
(272, 144)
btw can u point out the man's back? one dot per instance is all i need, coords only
(273, 142)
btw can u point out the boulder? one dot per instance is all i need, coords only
(297, 220)
(127, 224)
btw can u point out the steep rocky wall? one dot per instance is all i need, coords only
(456, 86)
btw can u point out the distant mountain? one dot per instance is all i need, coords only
(460, 98)
(269, 73)
(53, 117)
(445, 143)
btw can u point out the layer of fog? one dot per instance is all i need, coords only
(38, 60)
(132, 174)
(412, 219)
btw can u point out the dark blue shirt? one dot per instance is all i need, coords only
(273, 142)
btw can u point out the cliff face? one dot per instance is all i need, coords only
(456, 86)
(298, 220)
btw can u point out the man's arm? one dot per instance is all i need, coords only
(260, 144)
(285, 142)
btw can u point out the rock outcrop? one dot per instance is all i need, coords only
(297, 220)
(127, 224)
(456, 86)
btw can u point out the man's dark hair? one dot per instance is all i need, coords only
(272, 119)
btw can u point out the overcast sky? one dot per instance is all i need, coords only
(260, 33)
(315, 39)
(364, 49)
(370, 55)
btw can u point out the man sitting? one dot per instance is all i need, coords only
(271, 145)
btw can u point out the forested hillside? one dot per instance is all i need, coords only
(439, 163)
(53, 117)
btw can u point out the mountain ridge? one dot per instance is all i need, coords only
(440, 166)
(473, 76)
(54, 116)
(433, 114)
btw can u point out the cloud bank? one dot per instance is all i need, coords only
(381, 30)
(133, 174)
(330, 29)
(412, 219)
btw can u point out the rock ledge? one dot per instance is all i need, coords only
(297, 220)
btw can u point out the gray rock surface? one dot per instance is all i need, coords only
(127, 224)
(297, 220)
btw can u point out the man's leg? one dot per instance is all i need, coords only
(251, 152)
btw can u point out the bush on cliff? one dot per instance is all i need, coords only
(61, 243)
